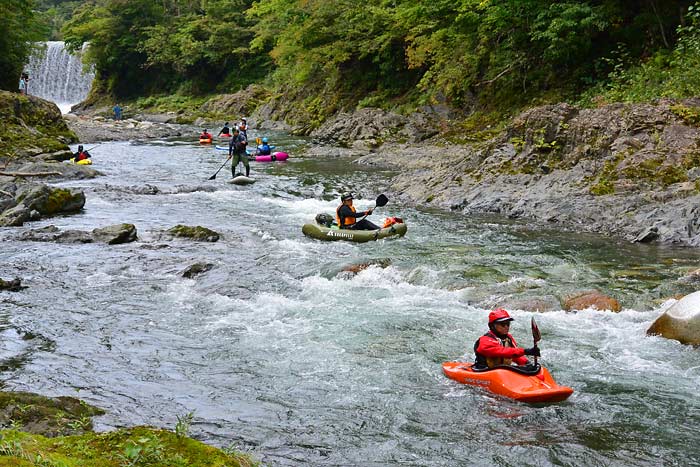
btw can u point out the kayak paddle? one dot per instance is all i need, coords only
(379, 202)
(536, 336)
(215, 173)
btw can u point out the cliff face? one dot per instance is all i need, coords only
(631, 171)
(32, 128)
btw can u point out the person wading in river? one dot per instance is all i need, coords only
(498, 347)
(346, 215)
(236, 149)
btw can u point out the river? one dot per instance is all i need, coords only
(277, 352)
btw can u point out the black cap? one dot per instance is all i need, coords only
(345, 196)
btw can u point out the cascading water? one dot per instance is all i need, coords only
(58, 76)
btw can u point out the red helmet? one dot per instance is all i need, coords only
(499, 315)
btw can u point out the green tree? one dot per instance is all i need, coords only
(20, 32)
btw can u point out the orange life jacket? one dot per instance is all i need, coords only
(348, 220)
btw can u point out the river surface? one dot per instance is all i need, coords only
(278, 352)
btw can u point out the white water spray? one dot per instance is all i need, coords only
(58, 76)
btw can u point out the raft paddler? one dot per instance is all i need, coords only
(498, 347)
(346, 215)
(236, 149)
(225, 131)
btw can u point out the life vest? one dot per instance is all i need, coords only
(81, 156)
(348, 220)
(389, 221)
(264, 149)
(482, 361)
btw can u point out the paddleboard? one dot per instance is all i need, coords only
(242, 180)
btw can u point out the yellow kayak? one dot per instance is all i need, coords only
(83, 162)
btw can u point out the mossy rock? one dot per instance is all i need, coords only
(31, 126)
(50, 417)
(197, 233)
(140, 446)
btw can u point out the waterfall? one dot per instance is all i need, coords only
(57, 76)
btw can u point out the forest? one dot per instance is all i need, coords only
(498, 55)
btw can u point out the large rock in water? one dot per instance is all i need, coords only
(591, 299)
(681, 322)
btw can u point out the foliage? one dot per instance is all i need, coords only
(21, 29)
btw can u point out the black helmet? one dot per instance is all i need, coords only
(345, 196)
(80, 147)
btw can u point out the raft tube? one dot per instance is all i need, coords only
(320, 232)
(242, 180)
(275, 156)
(83, 162)
(529, 384)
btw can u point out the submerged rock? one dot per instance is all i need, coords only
(13, 285)
(591, 299)
(196, 269)
(355, 268)
(681, 322)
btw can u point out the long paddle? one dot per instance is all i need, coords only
(379, 202)
(536, 336)
(222, 166)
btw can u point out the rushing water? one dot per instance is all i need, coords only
(278, 352)
(58, 76)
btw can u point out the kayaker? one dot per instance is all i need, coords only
(205, 135)
(498, 347)
(81, 155)
(226, 131)
(346, 215)
(236, 149)
(264, 149)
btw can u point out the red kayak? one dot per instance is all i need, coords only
(531, 383)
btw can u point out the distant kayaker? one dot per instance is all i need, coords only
(205, 134)
(346, 215)
(498, 347)
(81, 155)
(225, 131)
(236, 149)
(264, 149)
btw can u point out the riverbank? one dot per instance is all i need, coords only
(627, 171)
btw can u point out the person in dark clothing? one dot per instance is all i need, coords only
(226, 131)
(236, 149)
(81, 155)
(346, 215)
(498, 347)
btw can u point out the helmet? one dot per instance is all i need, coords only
(499, 315)
(243, 119)
(345, 196)
(264, 140)
(80, 147)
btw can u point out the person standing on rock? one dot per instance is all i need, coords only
(236, 149)
(117, 111)
(225, 131)
(22, 85)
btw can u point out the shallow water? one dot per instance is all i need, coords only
(277, 351)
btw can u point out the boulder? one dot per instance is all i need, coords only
(680, 322)
(13, 285)
(590, 299)
(196, 269)
(355, 268)
(16, 216)
(198, 233)
(116, 234)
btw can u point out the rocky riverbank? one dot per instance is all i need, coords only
(629, 171)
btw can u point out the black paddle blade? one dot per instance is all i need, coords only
(536, 336)
(212, 177)
(381, 200)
